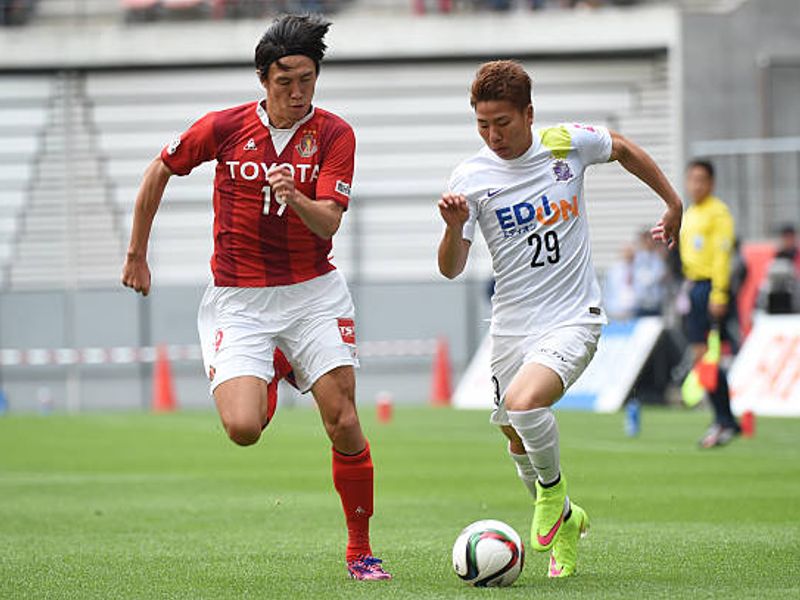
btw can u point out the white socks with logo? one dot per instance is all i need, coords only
(525, 471)
(539, 433)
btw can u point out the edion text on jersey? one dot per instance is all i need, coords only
(258, 170)
(523, 217)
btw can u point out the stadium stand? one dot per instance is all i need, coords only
(64, 233)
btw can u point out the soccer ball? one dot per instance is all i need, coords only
(488, 553)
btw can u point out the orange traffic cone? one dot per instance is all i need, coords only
(163, 390)
(441, 384)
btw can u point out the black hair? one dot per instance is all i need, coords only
(289, 35)
(703, 164)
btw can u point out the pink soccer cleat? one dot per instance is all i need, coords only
(367, 568)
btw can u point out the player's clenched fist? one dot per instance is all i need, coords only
(282, 183)
(454, 209)
(136, 275)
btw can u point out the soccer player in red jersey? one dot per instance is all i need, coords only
(283, 175)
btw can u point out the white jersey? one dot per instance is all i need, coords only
(532, 213)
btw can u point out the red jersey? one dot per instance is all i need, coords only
(258, 240)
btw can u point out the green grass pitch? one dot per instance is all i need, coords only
(164, 506)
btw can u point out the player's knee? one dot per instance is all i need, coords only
(243, 432)
(526, 401)
(342, 425)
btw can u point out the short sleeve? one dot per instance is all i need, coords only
(336, 171)
(592, 142)
(457, 185)
(192, 148)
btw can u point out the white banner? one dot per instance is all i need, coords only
(765, 377)
(623, 349)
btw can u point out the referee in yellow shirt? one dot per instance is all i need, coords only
(706, 246)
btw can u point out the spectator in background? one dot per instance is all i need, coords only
(706, 246)
(619, 292)
(649, 273)
(788, 248)
(781, 290)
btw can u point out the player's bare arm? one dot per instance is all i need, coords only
(323, 217)
(453, 249)
(135, 271)
(636, 161)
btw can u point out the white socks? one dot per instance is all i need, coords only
(525, 471)
(539, 433)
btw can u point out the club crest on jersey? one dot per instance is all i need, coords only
(307, 145)
(250, 145)
(562, 171)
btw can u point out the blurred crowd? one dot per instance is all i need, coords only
(152, 10)
(20, 12)
(16, 12)
(646, 279)
(447, 6)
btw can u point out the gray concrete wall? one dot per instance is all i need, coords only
(726, 59)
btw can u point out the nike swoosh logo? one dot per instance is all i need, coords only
(492, 193)
(545, 540)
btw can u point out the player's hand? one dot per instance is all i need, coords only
(281, 182)
(718, 311)
(136, 274)
(668, 227)
(454, 209)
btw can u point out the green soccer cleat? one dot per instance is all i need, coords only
(550, 510)
(564, 556)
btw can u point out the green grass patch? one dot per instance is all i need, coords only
(164, 506)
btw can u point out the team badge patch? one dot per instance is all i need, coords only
(307, 145)
(343, 188)
(211, 373)
(562, 170)
(173, 145)
(347, 329)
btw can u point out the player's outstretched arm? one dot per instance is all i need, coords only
(636, 161)
(453, 249)
(135, 271)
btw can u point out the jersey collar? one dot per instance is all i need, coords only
(264, 117)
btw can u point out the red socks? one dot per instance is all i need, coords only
(352, 478)
(283, 370)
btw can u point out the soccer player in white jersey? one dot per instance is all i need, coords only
(525, 191)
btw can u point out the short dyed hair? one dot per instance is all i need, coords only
(501, 80)
(702, 163)
(289, 35)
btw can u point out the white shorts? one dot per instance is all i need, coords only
(311, 322)
(567, 350)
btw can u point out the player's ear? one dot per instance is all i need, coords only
(529, 114)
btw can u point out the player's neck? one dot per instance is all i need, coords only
(279, 121)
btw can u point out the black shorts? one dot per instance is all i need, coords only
(698, 321)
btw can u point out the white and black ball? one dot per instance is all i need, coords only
(488, 553)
